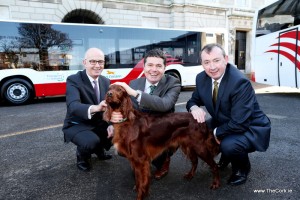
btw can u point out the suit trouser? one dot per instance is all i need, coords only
(235, 148)
(159, 160)
(92, 141)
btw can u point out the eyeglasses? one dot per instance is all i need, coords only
(93, 62)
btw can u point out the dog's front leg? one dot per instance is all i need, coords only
(142, 179)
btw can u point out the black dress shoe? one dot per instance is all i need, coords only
(83, 162)
(103, 156)
(223, 162)
(239, 176)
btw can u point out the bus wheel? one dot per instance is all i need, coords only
(17, 91)
(175, 74)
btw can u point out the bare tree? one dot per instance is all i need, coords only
(8, 47)
(42, 37)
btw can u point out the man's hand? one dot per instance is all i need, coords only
(116, 117)
(100, 107)
(110, 131)
(198, 114)
(128, 89)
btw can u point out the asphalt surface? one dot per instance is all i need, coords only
(36, 164)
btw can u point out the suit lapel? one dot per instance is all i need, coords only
(222, 87)
(89, 86)
(102, 88)
(207, 87)
(141, 84)
(160, 86)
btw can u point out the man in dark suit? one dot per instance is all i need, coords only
(83, 124)
(238, 123)
(162, 99)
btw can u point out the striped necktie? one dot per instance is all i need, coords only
(152, 88)
(215, 92)
(96, 90)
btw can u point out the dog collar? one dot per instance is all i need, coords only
(120, 121)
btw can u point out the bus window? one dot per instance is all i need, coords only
(277, 16)
(275, 47)
(37, 58)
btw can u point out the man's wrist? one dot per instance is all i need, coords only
(215, 132)
(138, 94)
(193, 107)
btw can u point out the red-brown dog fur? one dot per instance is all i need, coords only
(142, 137)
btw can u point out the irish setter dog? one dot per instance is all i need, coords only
(142, 137)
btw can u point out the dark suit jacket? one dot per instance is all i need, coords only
(79, 97)
(236, 111)
(164, 96)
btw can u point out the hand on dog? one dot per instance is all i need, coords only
(198, 114)
(110, 131)
(98, 108)
(128, 89)
(116, 117)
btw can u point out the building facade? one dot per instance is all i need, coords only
(233, 16)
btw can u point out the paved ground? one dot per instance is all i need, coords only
(36, 164)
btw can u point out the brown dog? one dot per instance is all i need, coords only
(142, 137)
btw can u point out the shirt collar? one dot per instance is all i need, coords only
(91, 79)
(219, 80)
(148, 84)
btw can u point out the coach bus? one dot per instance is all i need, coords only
(36, 58)
(276, 44)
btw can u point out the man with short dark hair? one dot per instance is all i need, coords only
(154, 93)
(238, 123)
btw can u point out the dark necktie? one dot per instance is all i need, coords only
(96, 90)
(152, 88)
(215, 92)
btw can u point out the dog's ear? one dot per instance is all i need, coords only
(127, 109)
(107, 114)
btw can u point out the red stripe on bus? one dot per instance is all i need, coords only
(287, 55)
(50, 89)
(133, 74)
(288, 45)
(291, 34)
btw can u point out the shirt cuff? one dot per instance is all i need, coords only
(215, 133)
(194, 106)
(140, 96)
(89, 113)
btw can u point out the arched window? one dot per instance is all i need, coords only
(82, 16)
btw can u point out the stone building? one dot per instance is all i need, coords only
(233, 16)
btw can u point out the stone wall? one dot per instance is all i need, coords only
(181, 14)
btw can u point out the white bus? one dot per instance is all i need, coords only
(276, 44)
(36, 58)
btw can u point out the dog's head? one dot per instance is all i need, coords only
(115, 97)
(118, 100)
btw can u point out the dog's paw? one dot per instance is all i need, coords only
(215, 185)
(188, 176)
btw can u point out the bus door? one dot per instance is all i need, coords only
(288, 58)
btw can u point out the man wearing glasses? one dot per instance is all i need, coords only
(83, 124)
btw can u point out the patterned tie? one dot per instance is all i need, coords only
(215, 92)
(96, 90)
(152, 88)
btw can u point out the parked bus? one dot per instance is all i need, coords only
(276, 48)
(36, 58)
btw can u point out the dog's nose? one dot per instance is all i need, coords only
(109, 94)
